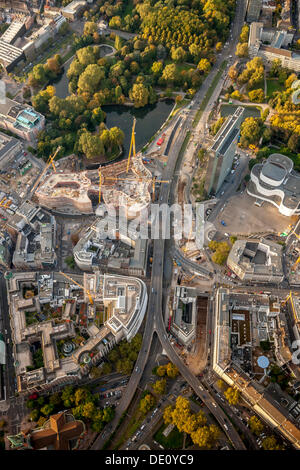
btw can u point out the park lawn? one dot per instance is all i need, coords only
(128, 9)
(181, 65)
(173, 441)
(273, 85)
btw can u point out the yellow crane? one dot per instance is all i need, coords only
(132, 144)
(49, 162)
(290, 297)
(294, 233)
(295, 264)
(5, 203)
(79, 285)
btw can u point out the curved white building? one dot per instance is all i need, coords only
(276, 182)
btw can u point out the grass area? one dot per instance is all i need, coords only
(181, 66)
(174, 439)
(273, 85)
(134, 424)
(185, 144)
(209, 93)
(180, 105)
(128, 9)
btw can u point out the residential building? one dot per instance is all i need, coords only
(276, 182)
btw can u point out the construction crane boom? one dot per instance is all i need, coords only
(79, 285)
(49, 162)
(132, 145)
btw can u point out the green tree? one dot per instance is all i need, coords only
(161, 371)
(172, 370)
(232, 395)
(244, 36)
(257, 96)
(242, 49)
(55, 399)
(108, 414)
(67, 396)
(147, 403)
(34, 415)
(47, 409)
(270, 443)
(178, 54)
(204, 66)
(139, 94)
(170, 73)
(89, 28)
(90, 79)
(160, 386)
(118, 43)
(91, 145)
(256, 425)
(251, 130)
(157, 68)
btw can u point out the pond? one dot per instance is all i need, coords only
(148, 119)
(229, 109)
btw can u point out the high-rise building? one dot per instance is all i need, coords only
(222, 151)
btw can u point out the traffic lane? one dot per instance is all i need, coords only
(239, 423)
(205, 396)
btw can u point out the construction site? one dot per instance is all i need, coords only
(127, 184)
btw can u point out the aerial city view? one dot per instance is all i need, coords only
(150, 228)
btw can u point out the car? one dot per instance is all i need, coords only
(223, 223)
(232, 171)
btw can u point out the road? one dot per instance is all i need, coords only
(154, 320)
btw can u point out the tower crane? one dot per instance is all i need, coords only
(289, 297)
(79, 285)
(132, 144)
(49, 162)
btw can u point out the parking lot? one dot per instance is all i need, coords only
(243, 217)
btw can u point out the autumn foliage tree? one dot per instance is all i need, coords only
(232, 395)
(256, 425)
(194, 424)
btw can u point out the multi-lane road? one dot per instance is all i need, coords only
(154, 320)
